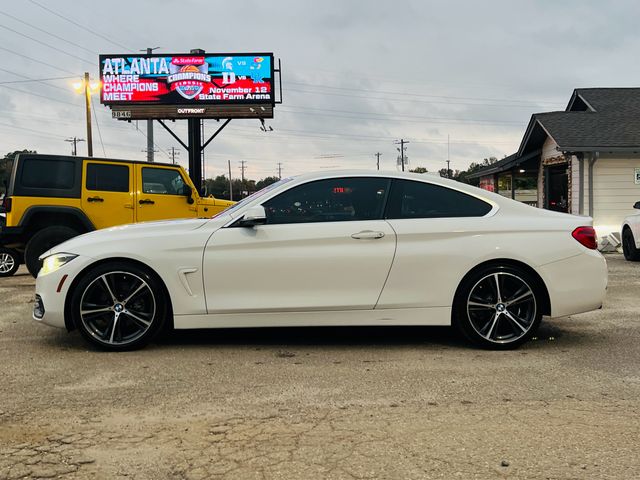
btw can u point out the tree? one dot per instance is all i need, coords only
(452, 174)
(5, 167)
(419, 170)
(265, 182)
(474, 167)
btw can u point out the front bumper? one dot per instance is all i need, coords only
(52, 290)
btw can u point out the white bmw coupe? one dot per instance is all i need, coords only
(331, 249)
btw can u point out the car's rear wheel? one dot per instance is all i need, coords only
(629, 249)
(9, 262)
(119, 306)
(498, 307)
(42, 241)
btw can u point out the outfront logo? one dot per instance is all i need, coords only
(188, 75)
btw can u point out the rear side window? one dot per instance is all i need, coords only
(48, 174)
(411, 199)
(107, 178)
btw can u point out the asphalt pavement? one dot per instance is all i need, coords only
(352, 403)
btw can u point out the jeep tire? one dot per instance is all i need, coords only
(42, 241)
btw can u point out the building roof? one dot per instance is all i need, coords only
(507, 163)
(596, 119)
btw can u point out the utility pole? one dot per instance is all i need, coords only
(448, 168)
(378, 159)
(74, 147)
(230, 184)
(149, 122)
(242, 169)
(87, 96)
(279, 171)
(174, 152)
(402, 142)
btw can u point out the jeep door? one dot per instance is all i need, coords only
(162, 193)
(107, 193)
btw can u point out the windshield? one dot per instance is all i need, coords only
(232, 209)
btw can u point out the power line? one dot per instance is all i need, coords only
(523, 103)
(30, 80)
(405, 118)
(242, 168)
(49, 33)
(95, 116)
(64, 52)
(38, 95)
(90, 30)
(38, 61)
(412, 100)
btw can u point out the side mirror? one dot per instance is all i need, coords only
(190, 199)
(636, 205)
(254, 216)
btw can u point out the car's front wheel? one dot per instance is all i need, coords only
(629, 249)
(119, 306)
(498, 307)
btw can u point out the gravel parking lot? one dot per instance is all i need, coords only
(324, 403)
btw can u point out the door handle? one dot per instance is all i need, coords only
(367, 234)
(146, 201)
(95, 199)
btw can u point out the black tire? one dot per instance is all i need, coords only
(9, 262)
(488, 318)
(629, 249)
(118, 327)
(42, 241)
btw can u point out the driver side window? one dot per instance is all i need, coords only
(332, 200)
(165, 181)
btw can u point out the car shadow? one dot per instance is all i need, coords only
(317, 336)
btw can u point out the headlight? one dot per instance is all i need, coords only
(53, 262)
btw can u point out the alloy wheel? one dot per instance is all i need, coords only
(117, 308)
(7, 262)
(501, 307)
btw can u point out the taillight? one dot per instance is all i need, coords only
(586, 236)
(6, 204)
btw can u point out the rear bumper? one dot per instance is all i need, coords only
(577, 284)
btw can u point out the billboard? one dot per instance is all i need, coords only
(186, 80)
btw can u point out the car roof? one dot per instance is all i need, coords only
(81, 158)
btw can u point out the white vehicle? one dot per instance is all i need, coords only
(331, 249)
(631, 236)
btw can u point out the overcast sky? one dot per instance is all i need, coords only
(357, 75)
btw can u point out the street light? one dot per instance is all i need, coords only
(86, 86)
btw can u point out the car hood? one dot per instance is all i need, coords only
(136, 232)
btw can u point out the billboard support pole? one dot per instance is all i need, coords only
(195, 152)
(216, 133)
(184, 145)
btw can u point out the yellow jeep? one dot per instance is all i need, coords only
(52, 198)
